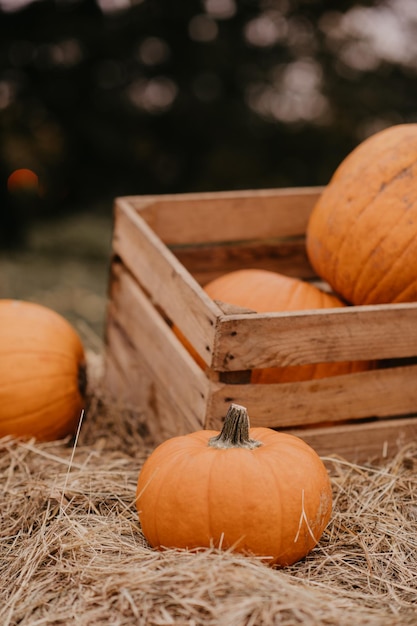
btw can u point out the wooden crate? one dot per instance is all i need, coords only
(166, 247)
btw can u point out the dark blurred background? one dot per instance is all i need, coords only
(100, 98)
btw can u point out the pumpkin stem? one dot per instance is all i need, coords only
(235, 431)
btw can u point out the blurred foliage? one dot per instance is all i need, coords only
(110, 97)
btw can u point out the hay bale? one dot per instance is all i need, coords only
(72, 550)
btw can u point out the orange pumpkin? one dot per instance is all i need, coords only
(362, 233)
(265, 292)
(42, 372)
(255, 491)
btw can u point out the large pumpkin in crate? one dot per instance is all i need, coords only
(362, 233)
(42, 372)
(264, 291)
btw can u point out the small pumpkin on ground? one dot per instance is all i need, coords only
(362, 233)
(265, 291)
(42, 372)
(255, 491)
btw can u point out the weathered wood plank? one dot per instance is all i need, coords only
(361, 443)
(155, 350)
(206, 262)
(227, 216)
(375, 393)
(120, 363)
(160, 273)
(293, 338)
(158, 415)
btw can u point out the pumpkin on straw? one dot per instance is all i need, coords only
(42, 372)
(255, 491)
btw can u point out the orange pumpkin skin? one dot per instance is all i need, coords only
(42, 372)
(265, 292)
(362, 233)
(273, 501)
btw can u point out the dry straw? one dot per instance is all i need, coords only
(72, 551)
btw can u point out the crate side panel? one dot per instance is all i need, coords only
(171, 288)
(360, 443)
(158, 415)
(169, 367)
(339, 334)
(375, 393)
(228, 216)
(129, 385)
(206, 262)
(124, 380)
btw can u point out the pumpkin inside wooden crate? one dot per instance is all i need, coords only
(165, 248)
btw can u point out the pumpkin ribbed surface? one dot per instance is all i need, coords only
(273, 501)
(42, 372)
(266, 292)
(362, 233)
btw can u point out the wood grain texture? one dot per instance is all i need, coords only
(375, 393)
(207, 262)
(170, 374)
(293, 338)
(172, 289)
(229, 215)
(361, 443)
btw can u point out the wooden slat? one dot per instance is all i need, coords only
(153, 343)
(376, 393)
(126, 381)
(206, 262)
(361, 443)
(227, 216)
(131, 386)
(293, 338)
(160, 273)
